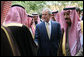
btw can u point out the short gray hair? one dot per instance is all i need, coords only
(47, 9)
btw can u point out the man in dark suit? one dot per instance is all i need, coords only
(47, 35)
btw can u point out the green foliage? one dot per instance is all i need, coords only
(37, 6)
(31, 6)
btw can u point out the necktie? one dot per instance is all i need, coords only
(48, 29)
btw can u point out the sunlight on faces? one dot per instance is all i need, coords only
(46, 15)
(53, 16)
(67, 18)
(35, 18)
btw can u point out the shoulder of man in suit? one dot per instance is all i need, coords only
(55, 22)
(39, 24)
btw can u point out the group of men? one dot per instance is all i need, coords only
(55, 33)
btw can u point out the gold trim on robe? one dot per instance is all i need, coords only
(12, 47)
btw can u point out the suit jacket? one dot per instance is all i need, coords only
(48, 47)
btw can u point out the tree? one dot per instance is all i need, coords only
(37, 6)
(31, 6)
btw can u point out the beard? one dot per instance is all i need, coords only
(35, 22)
(68, 21)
